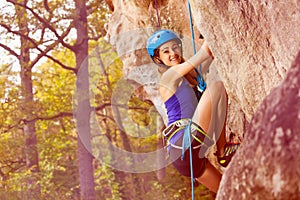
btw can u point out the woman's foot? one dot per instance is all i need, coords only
(224, 157)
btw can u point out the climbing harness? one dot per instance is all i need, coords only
(175, 127)
(201, 86)
(186, 124)
(190, 130)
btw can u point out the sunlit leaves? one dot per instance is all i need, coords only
(53, 88)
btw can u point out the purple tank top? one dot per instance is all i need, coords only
(181, 105)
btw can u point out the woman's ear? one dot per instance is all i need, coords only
(157, 60)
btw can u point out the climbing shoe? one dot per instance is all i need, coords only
(229, 151)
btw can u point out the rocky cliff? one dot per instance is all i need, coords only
(267, 165)
(254, 44)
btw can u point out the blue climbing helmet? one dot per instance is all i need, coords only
(159, 38)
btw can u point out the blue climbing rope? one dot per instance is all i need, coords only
(187, 143)
(201, 83)
(191, 27)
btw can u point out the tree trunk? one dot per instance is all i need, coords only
(128, 192)
(133, 181)
(31, 152)
(83, 111)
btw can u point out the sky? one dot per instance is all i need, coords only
(6, 9)
(6, 58)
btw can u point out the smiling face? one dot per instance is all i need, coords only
(170, 53)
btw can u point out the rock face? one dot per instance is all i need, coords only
(267, 165)
(254, 44)
(131, 24)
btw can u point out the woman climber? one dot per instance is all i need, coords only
(200, 121)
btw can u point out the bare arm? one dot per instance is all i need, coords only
(171, 78)
(205, 65)
(182, 69)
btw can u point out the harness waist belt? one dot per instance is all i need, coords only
(181, 124)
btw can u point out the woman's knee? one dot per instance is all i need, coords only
(218, 85)
(217, 90)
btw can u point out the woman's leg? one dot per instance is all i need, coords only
(210, 178)
(211, 116)
(211, 113)
(221, 140)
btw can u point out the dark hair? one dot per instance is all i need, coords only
(156, 57)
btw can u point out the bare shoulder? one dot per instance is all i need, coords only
(168, 86)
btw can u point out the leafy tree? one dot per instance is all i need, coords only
(49, 28)
(56, 131)
(12, 159)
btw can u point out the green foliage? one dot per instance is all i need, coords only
(56, 135)
(58, 176)
(53, 89)
(106, 185)
(54, 86)
(99, 15)
(105, 69)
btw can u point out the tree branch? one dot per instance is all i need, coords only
(43, 21)
(50, 47)
(35, 45)
(61, 64)
(24, 121)
(9, 50)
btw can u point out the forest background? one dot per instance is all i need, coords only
(45, 105)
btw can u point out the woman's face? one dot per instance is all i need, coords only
(170, 53)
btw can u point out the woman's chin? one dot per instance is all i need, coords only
(172, 63)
